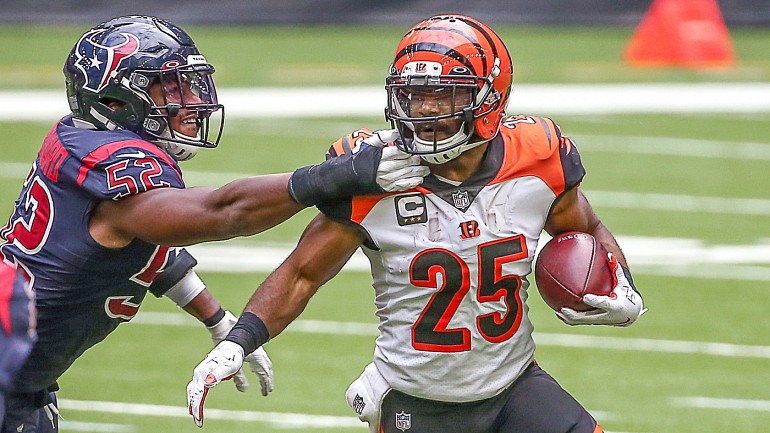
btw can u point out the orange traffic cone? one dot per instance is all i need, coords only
(688, 33)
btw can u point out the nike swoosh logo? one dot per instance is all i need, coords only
(139, 154)
(628, 320)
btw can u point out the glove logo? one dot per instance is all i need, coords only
(410, 209)
(358, 404)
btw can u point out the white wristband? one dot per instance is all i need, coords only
(220, 330)
(186, 289)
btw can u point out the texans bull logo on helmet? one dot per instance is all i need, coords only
(98, 61)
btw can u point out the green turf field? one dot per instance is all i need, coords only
(699, 361)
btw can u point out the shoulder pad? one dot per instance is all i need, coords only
(122, 168)
(347, 143)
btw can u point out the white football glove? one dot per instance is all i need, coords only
(222, 363)
(382, 137)
(258, 361)
(621, 308)
(397, 171)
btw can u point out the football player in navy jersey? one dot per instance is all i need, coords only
(450, 257)
(104, 209)
(17, 325)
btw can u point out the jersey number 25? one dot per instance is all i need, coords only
(430, 332)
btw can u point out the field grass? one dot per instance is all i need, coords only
(328, 55)
(630, 388)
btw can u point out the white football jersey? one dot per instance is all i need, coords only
(450, 265)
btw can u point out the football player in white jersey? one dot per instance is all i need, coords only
(449, 258)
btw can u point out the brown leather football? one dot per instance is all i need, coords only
(569, 266)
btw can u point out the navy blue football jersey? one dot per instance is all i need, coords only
(17, 322)
(84, 290)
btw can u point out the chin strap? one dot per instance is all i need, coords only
(180, 152)
(446, 156)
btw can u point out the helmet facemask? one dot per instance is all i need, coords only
(449, 53)
(436, 114)
(183, 100)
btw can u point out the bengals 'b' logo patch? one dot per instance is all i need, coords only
(469, 229)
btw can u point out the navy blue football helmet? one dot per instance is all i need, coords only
(114, 69)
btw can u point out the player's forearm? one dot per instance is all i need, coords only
(608, 241)
(275, 304)
(203, 306)
(179, 217)
(281, 298)
(252, 205)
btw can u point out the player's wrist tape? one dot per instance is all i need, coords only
(337, 178)
(249, 332)
(186, 289)
(216, 318)
(302, 187)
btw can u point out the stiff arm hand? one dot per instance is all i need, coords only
(621, 308)
(258, 361)
(397, 170)
(222, 363)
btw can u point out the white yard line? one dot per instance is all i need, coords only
(541, 338)
(679, 203)
(69, 425)
(669, 146)
(302, 420)
(721, 403)
(650, 256)
(280, 419)
(545, 99)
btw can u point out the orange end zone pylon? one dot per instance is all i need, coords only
(681, 33)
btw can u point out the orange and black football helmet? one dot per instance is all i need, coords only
(452, 56)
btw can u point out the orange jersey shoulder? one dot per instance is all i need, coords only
(347, 143)
(356, 208)
(535, 146)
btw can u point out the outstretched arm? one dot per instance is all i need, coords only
(173, 216)
(323, 249)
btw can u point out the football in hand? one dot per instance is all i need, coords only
(569, 266)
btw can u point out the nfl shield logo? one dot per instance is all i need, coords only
(403, 421)
(359, 404)
(461, 200)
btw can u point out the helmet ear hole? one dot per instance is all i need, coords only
(112, 103)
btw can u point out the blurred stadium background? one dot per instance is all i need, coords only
(677, 162)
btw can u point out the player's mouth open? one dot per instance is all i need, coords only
(190, 124)
(432, 131)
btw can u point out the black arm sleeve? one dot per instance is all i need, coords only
(175, 271)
